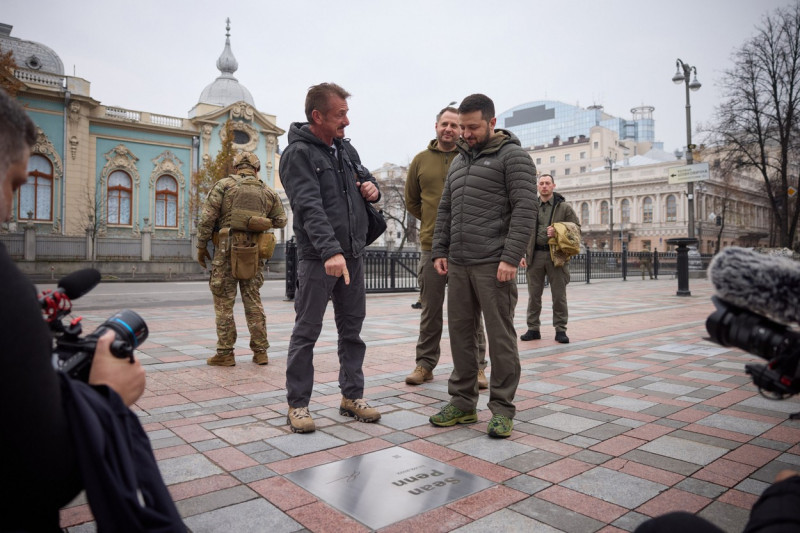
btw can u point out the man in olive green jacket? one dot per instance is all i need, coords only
(424, 184)
(552, 209)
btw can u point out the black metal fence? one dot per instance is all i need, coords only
(387, 271)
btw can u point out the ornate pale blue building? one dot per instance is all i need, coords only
(117, 172)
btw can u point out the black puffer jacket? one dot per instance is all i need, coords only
(488, 205)
(329, 213)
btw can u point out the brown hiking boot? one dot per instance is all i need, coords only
(419, 376)
(359, 409)
(299, 419)
(221, 360)
(260, 358)
(482, 383)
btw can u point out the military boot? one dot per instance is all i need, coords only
(359, 409)
(260, 358)
(482, 381)
(299, 420)
(221, 360)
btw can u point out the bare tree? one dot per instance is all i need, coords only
(757, 121)
(393, 203)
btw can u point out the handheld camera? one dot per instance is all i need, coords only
(73, 354)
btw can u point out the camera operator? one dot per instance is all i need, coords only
(39, 469)
(757, 304)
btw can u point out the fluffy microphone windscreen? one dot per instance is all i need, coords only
(765, 284)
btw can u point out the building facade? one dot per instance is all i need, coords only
(622, 195)
(118, 172)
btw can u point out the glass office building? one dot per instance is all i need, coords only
(539, 123)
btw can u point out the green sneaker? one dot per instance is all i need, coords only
(450, 415)
(500, 426)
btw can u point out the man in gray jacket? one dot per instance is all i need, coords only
(483, 225)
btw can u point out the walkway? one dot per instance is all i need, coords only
(638, 416)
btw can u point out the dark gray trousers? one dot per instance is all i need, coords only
(349, 308)
(472, 290)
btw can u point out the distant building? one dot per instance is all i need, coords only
(647, 209)
(541, 122)
(120, 172)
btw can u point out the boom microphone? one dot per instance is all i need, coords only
(79, 283)
(764, 284)
(56, 303)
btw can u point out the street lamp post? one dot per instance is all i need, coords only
(610, 166)
(682, 75)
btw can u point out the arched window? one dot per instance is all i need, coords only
(672, 208)
(647, 210)
(626, 211)
(584, 214)
(36, 196)
(604, 212)
(166, 202)
(119, 198)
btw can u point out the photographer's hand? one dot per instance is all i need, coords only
(126, 378)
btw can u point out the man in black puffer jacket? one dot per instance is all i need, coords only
(327, 188)
(485, 219)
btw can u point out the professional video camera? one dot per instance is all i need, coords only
(72, 354)
(758, 305)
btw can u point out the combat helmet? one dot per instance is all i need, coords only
(246, 158)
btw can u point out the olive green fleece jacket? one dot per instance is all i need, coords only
(424, 185)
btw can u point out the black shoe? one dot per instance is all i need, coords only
(531, 335)
(416, 305)
(561, 336)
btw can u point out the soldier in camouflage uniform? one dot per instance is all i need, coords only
(216, 215)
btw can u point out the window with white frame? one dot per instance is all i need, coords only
(647, 210)
(35, 200)
(672, 208)
(166, 202)
(120, 192)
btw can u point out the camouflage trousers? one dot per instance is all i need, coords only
(223, 288)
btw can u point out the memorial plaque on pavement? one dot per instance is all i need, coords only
(384, 487)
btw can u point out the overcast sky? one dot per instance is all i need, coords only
(402, 61)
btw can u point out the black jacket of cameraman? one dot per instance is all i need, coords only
(62, 435)
(38, 465)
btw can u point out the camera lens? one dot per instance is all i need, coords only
(733, 326)
(129, 327)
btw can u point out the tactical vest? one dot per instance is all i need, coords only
(250, 202)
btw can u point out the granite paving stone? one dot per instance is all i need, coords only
(566, 422)
(491, 450)
(555, 516)
(296, 444)
(509, 521)
(186, 468)
(615, 487)
(735, 423)
(684, 450)
(625, 403)
(249, 516)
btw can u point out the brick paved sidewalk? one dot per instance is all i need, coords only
(638, 416)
